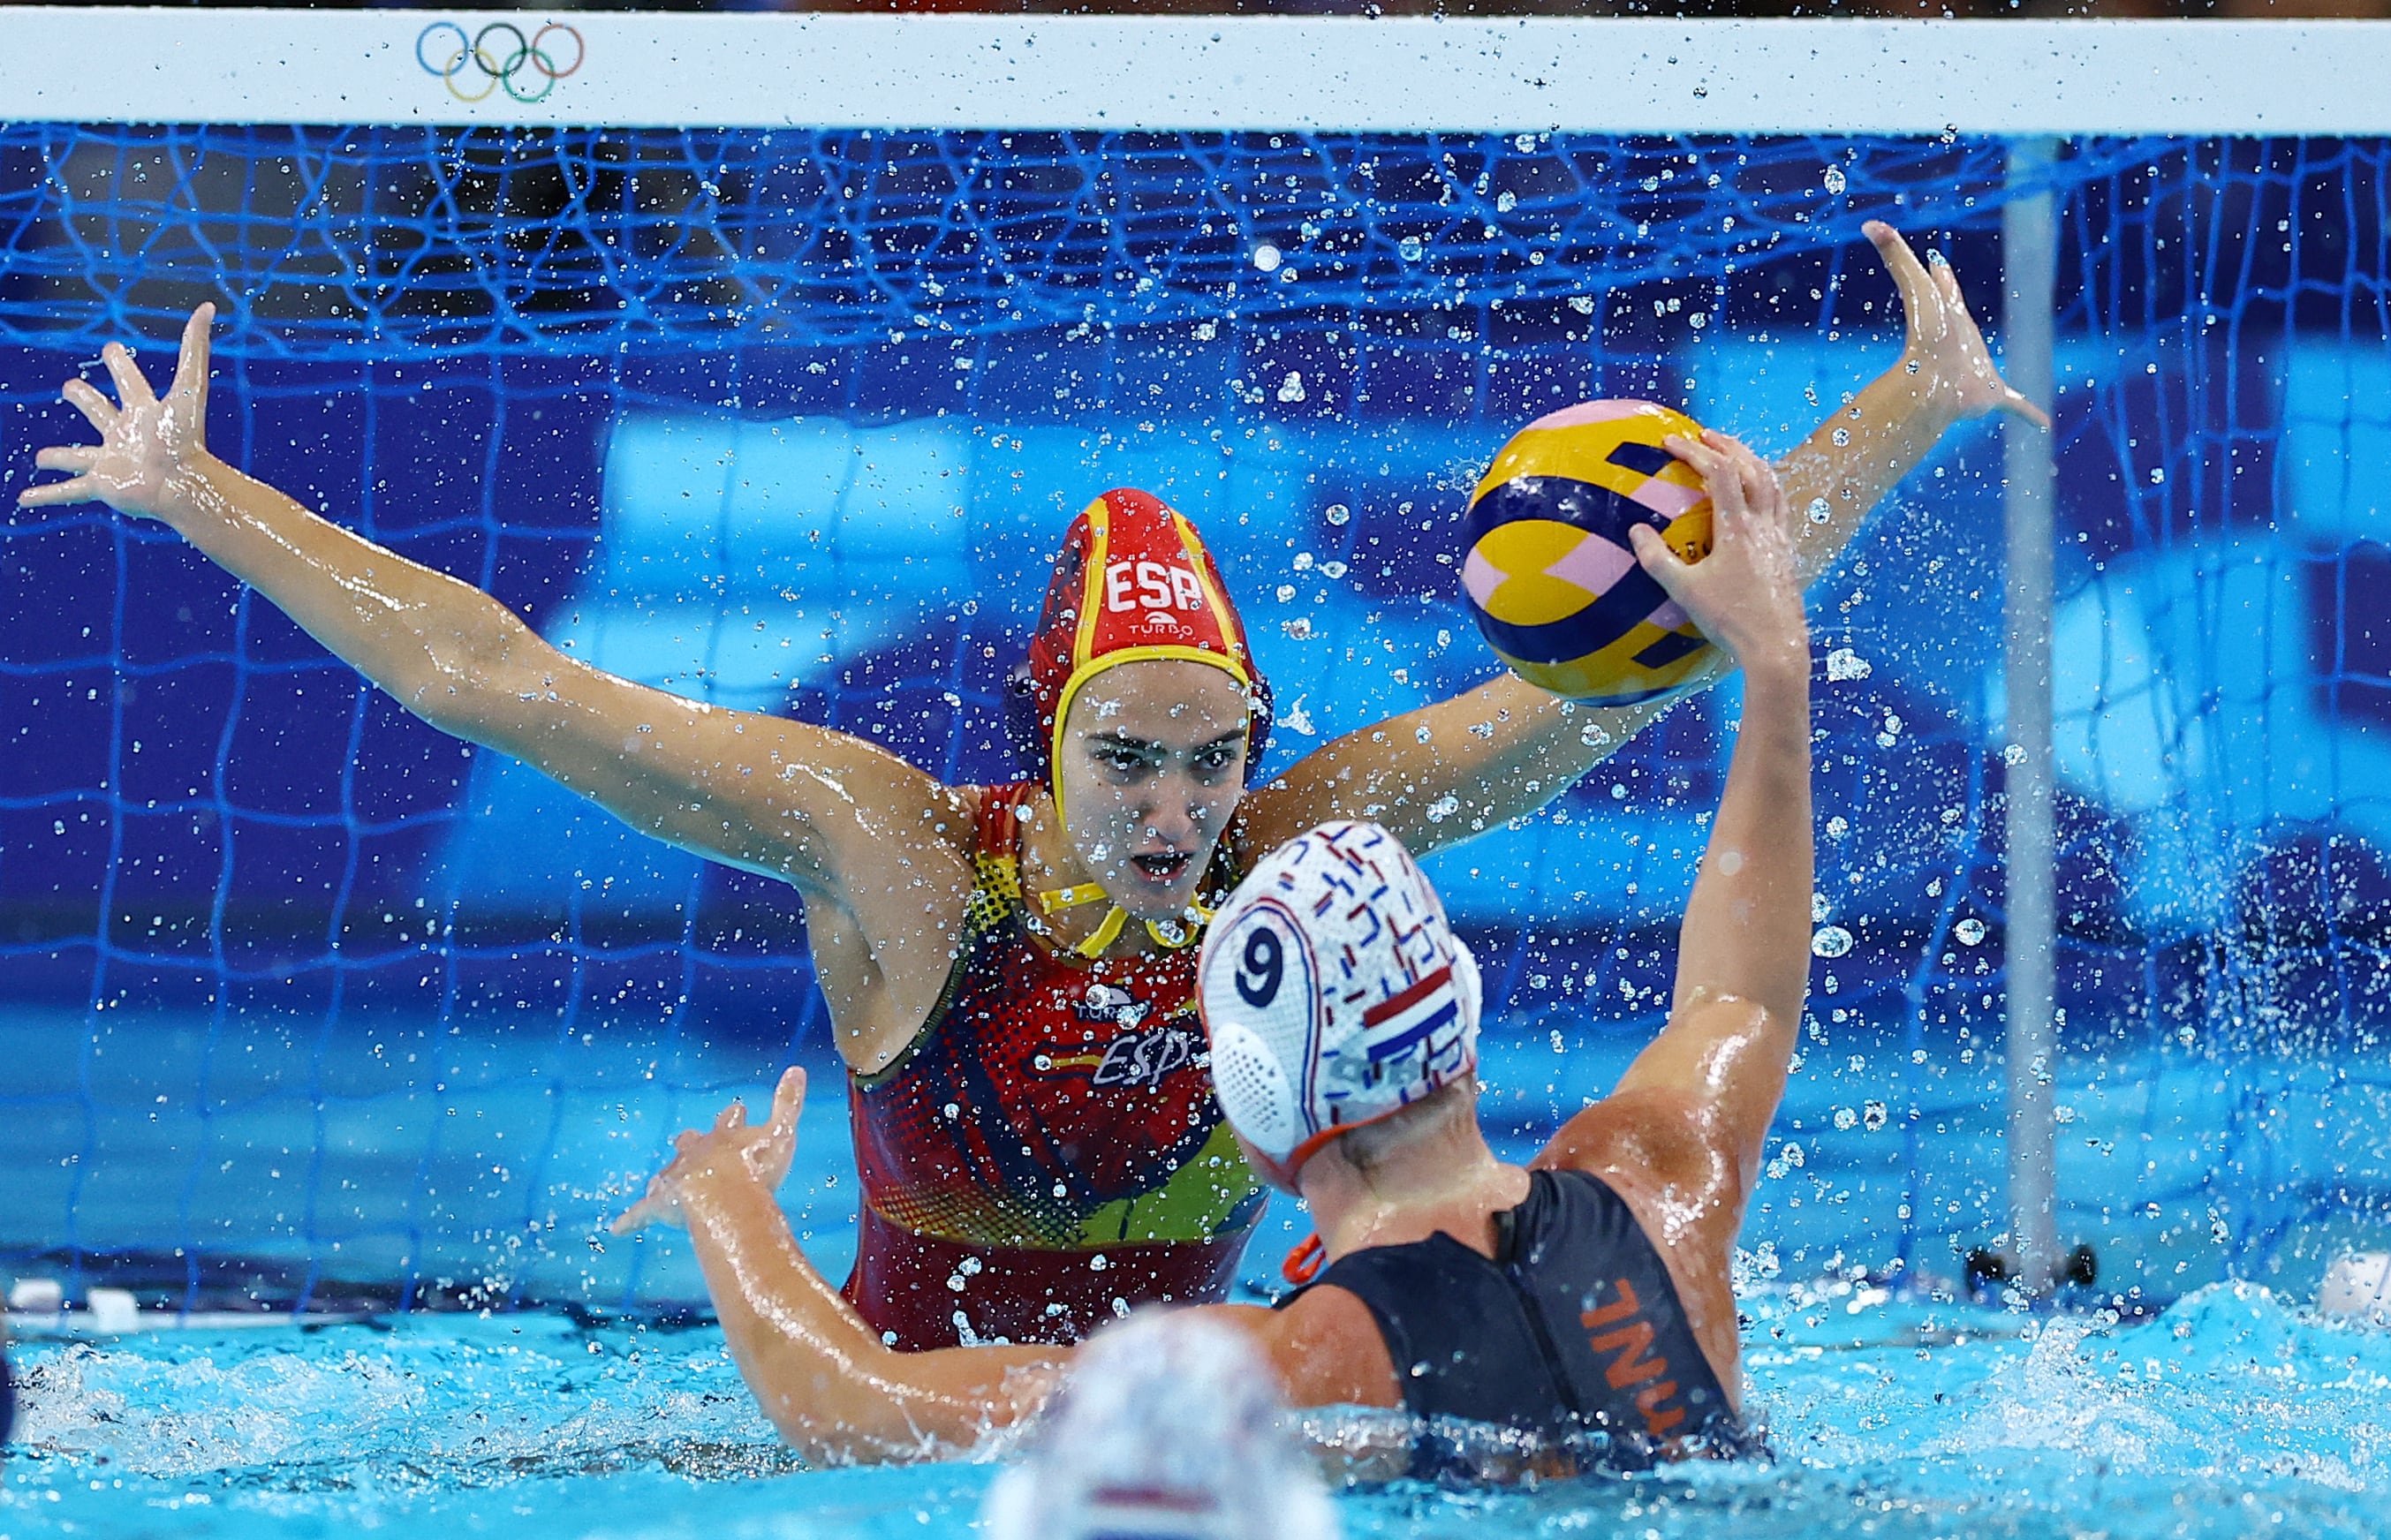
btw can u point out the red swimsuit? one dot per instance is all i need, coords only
(1048, 1152)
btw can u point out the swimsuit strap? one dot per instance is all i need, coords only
(996, 862)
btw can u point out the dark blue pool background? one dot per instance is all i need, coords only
(301, 995)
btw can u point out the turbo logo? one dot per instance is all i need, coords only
(497, 55)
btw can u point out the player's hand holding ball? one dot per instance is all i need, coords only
(1746, 594)
(1550, 571)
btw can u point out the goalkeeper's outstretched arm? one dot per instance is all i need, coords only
(875, 844)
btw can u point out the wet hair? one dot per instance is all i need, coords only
(1373, 1144)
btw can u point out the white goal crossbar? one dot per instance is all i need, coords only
(1627, 75)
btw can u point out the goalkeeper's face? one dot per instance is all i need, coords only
(1153, 762)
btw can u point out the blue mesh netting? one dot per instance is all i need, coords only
(305, 998)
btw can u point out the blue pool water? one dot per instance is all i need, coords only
(2232, 1413)
(1891, 1416)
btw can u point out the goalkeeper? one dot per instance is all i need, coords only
(1589, 1293)
(1007, 968)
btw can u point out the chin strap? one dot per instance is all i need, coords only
(1171, 935)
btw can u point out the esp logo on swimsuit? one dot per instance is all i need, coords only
(1150, 585)
(1138, 1054)
(1145, 1057)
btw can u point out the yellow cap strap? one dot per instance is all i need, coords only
(1176, 935)
(1057, 899)
(1105, 934)
(1171, 935)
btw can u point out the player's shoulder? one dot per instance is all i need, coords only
(1661, 1135)
(1326, 1348)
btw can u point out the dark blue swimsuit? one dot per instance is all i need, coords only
(1571, 1333)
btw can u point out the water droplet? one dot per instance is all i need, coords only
(1970, 930)
(1410, 248)
(1834, 180)
(1847, 1118)
(1819, 511)
(1833, 941)
(1267, 258)
(1338, 514)
(1843, 663)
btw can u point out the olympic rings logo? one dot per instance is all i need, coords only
(498, 63)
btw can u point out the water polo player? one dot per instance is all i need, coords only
(1586, 1295)
(1008, 970)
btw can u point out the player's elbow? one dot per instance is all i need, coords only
(820, 1423)
(482, 677)
(880, 1436)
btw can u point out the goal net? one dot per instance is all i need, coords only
(307, 1000)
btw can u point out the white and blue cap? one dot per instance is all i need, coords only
(1170, 1428)
(1333, 990)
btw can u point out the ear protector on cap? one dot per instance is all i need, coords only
(1334, 992)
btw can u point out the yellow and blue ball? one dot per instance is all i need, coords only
(1549, 573)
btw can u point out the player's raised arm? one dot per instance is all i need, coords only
(1944, 376)
(1436, 776)
(1441, 774)
(1711, 1080)
(791, 801)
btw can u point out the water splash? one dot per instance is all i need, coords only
(2233, 1413)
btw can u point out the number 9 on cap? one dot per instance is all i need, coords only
(1262, 1005)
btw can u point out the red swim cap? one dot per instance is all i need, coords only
(1131, 582)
